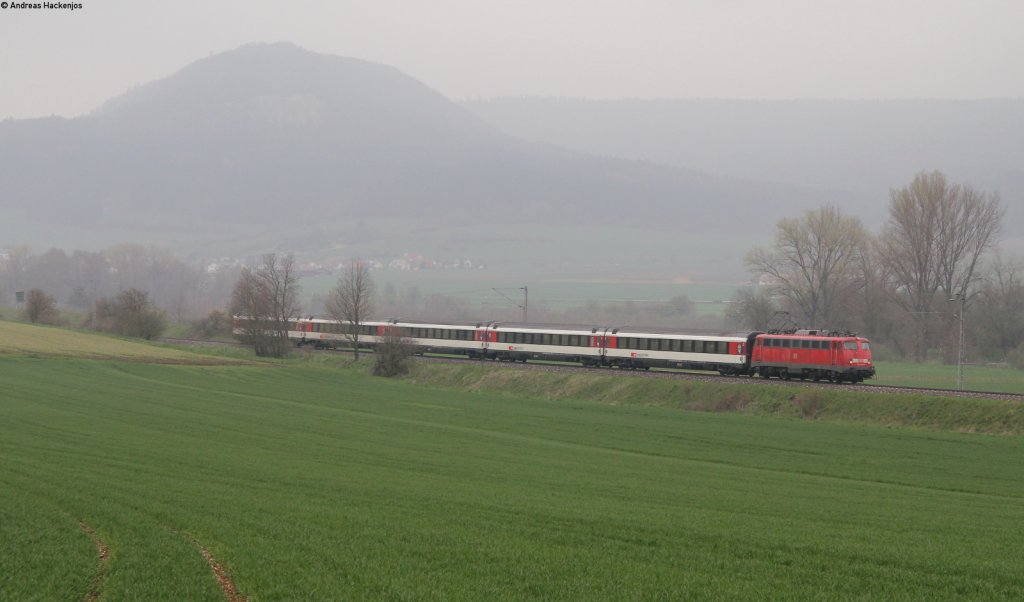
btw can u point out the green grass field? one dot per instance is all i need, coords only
(42, 341)
(976, 378)
(311, 480)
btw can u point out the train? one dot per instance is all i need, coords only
(817, 355)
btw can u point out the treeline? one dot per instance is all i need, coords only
(933, 272)
(129, 289)
(77, 280)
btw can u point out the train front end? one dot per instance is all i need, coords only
(856, 354)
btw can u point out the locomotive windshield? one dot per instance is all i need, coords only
(850, 345)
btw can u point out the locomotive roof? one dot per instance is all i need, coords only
(822, 335)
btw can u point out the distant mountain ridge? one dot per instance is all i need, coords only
(278, 136)
(862, 147)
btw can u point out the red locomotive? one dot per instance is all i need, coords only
(814, 355)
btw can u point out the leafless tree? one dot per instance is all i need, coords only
(997, 319)
(813, 261)
(351, 300)
(751, 309)
(130, 313)
(936, 234)
(40, 307)
(267, 299)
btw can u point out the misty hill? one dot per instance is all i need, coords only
(863, 148)
(289, 140)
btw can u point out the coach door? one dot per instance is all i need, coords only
(484, 335)
(602, 346)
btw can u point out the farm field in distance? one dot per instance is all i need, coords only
(943, 376)
(312, 480)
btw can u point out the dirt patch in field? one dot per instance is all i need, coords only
(219, 572)
(101, 574)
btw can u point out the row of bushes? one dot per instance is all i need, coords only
(129, 313)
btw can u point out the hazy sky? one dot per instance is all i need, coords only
(68, 62)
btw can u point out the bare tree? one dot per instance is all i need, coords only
(267, 300)
(40, 307)
(751, 309)
(130, 313)
(137, 316)
(935, 236)
(998, 318)
(350, 302)
(813, 262)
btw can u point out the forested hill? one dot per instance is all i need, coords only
(862, 147)
(274, 135)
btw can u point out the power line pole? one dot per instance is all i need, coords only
(962, 298)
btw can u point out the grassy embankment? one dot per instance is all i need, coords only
(315, 481)
(824, 404)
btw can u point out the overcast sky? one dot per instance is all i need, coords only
(68, 62)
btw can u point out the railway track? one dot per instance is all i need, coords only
(661, 373)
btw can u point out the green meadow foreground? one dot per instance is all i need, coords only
(311, 480)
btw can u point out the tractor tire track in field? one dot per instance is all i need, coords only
(101, 573)
(231, 592)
